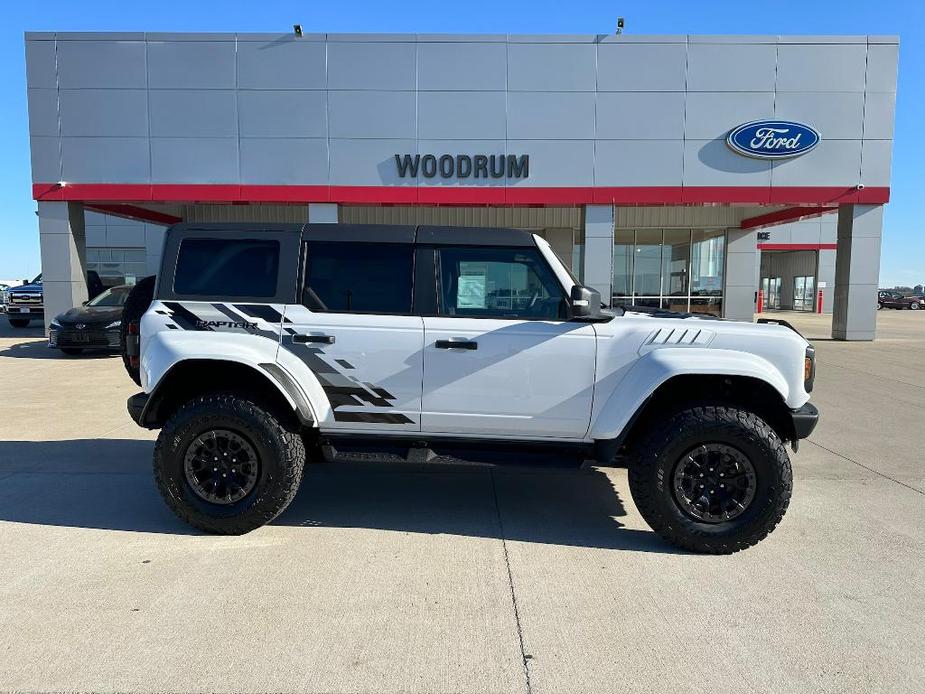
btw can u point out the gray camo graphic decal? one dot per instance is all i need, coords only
(342, 390)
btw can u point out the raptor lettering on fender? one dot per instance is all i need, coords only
(246, 325)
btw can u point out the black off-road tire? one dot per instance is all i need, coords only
(137, 302)
(279, 448)
(19, 322)
(654, 459)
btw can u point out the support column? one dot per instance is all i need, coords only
(742, 271)
(825, 272)
(857, 272)
(598, 260)
(322, 213)
(62, 239)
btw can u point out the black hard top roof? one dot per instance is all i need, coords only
(379, 233)
(430, 235)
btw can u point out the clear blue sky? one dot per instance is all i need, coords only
(903, 259)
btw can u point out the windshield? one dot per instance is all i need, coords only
(37, 280)
(111, 297)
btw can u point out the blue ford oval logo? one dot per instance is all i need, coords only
(772, 139)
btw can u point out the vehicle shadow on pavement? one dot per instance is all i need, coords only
(550, 506)
(38, 349)
(108, 484)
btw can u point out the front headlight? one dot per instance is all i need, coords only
(114, 324)
(55, 325)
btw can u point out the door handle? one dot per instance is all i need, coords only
(456, 344)
(303, 339)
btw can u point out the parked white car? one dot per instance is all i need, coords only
(265, 345)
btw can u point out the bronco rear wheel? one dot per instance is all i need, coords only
(227, 465)
(711, 478)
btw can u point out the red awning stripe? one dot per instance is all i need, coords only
(135, 212)
(789, 214)
(797, 246)
(457, 195)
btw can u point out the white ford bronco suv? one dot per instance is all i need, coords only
(268, 345)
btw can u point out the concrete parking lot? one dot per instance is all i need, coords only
(452, 579)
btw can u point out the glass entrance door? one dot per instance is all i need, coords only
(803, 292)
(770, 287)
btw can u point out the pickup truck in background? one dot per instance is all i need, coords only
(898, 300)
(25, 303)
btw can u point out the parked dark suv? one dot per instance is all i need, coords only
(897, 300)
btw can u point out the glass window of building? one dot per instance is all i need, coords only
(674, 269)
(117, 265)
(624, 241)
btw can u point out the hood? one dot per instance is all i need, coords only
(665, 313)
(90, 315)
(26, 288)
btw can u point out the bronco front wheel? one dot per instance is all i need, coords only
(711, 478)
(226, 465)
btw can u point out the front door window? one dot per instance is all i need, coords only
(498, 283)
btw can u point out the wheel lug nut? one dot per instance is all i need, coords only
(215, 469)
(224, 475)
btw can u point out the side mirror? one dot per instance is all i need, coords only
(584, 303)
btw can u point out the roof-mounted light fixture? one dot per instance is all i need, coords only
(297, 28)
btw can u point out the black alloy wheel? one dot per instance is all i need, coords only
(714, 482)
(221, 466)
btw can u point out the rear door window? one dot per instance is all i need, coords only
(359, 277)
(227, 268)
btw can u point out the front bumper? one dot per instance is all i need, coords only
(16, 311)
(804, 420)
(89, 338)
(136, 407)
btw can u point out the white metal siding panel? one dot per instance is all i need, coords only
(662, 108)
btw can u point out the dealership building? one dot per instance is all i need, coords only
(716, 174)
